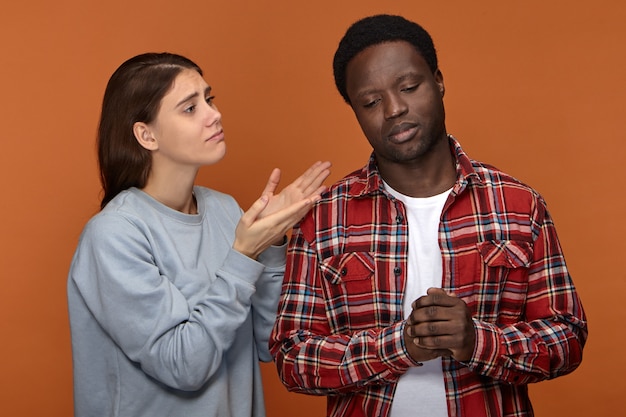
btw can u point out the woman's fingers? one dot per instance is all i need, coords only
(272, 215)
(272, 182)
(310, 182)
(251, 215)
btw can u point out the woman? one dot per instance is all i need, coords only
(172, 291)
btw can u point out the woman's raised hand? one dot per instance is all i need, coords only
(272, 215)
(307, 186)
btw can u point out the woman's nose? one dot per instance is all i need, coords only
(213, 114)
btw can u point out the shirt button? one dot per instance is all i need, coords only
(344, 272)
(397, 270)
(399, 219)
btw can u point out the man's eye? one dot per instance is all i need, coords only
(410, 88)
(371, 103)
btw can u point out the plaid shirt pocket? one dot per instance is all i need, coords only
(504, 280)
(350, 289)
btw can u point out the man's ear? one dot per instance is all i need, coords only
(439, 80)
(145, 137)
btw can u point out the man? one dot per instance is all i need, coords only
(426, 283)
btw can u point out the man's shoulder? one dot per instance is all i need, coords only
(353, 184)
(356, 192)
(495, 181)
(492, 175)
(484, 174)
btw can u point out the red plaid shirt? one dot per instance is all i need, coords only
(340, 324)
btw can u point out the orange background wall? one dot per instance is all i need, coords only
(536, 88)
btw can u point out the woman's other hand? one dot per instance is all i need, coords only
(272, 215)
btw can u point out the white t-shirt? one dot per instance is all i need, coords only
(421, 390)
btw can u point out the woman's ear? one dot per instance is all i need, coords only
(144, 136)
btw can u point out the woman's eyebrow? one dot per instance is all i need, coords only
(193, 95)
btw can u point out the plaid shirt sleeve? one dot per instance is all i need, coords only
(548, 339)
(310, 356)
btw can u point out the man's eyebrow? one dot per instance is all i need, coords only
(207, 90)
(367, 92)
(406, 76)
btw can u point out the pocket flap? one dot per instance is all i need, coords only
(506, 253)
(347, 267)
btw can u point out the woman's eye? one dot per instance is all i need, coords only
(190, 109)
(210, 99)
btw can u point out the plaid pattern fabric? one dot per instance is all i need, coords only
(339, 330)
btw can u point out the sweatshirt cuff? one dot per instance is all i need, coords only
(274, 256)
(242, 267)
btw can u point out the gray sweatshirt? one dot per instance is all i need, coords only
(166, 318)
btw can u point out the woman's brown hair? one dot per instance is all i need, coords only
(133, 94)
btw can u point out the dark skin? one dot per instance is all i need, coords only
(398, 102)
(442, 324)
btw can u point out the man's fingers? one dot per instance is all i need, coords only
(435, 297)
(434, 342)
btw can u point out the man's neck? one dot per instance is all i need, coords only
(425, 177)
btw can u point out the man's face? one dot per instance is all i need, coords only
(397, 100)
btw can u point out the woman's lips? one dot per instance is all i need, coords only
(217, 136)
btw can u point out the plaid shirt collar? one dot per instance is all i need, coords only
(372, 183)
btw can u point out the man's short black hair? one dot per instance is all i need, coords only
(374, 30)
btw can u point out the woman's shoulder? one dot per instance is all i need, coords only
(213, 198)
(122, 214)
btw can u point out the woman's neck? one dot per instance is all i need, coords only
(175, 193)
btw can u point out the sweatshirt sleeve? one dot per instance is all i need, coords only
(265, 299)
(178, 343)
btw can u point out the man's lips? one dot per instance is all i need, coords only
(401, 132)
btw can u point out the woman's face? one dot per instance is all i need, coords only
(187, 131)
